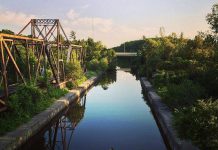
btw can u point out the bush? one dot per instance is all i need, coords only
(73, 70)
(93, 65)
(90, 74)
(184, 94)
(103, 64)
(70, 85)
(53, 92)
(199, 123)
(25, 98)
(43, 81)
(25, 103)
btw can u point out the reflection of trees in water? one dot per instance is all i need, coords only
(108, 79)
(125, 62)
(59, 135)
(76, 113)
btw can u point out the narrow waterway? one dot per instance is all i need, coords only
(113, 115)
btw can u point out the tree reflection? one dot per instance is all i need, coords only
(59, 136)
(108, 79)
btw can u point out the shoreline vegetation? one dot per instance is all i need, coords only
(184, 73)
(32, 98)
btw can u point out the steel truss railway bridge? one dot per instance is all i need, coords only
(47, 43)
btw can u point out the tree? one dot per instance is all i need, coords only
(212, 18)
(7, 31)
(73, 35)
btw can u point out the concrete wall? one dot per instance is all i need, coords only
(164, 118)
(16, 138)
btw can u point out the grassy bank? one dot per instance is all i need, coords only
(28, 101)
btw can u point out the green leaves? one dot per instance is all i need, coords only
(199, 123)
(25, 103)
(212, 18)
(184, 94)
(73, 70)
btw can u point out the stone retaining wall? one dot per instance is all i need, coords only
(164, 118)
(14, 139)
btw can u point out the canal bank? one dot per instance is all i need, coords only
(22, 134)
(163, 117)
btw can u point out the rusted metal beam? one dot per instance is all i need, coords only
(50, 31)
(64, 33)
(24, 28)
(27, 59)
(40, 31)
(4, 71)
(38, 61)
(51, 65)
(5, 36)
(13, 61)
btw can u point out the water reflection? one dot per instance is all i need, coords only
(59, 134)
(107, 79)
(113, 117)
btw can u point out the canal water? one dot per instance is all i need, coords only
(113, 115)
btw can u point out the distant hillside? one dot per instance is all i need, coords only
(131, 46)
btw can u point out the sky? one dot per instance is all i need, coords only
(111, 21)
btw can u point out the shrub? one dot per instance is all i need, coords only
(73, 70)
(199, 123)
(53, 92)
(184, 94)
(25, 103)
(70, 85)
(93, 65)
(90, 74)
(103, 64)
(43, 81)
(25, 98)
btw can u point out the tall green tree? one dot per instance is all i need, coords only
(212, 18)
(73, 35)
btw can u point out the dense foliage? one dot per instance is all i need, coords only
(131, 46)
(199, 123)
(183, 71)
(99, 58)
(25, 103)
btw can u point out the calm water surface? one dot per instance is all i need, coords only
(113, 115)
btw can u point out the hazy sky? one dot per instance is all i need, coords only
(111, 21)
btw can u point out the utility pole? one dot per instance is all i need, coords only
(92, 28)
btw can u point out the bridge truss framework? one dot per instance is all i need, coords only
(50, 46)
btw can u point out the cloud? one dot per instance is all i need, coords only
(15, 18)
(103, 29)
(87, 23)
(85, 6)
(106, 30)
(72, 14)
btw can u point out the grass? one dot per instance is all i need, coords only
(90, 74)
(18, 114)
(29, 101)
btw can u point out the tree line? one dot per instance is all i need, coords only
(185, 74)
